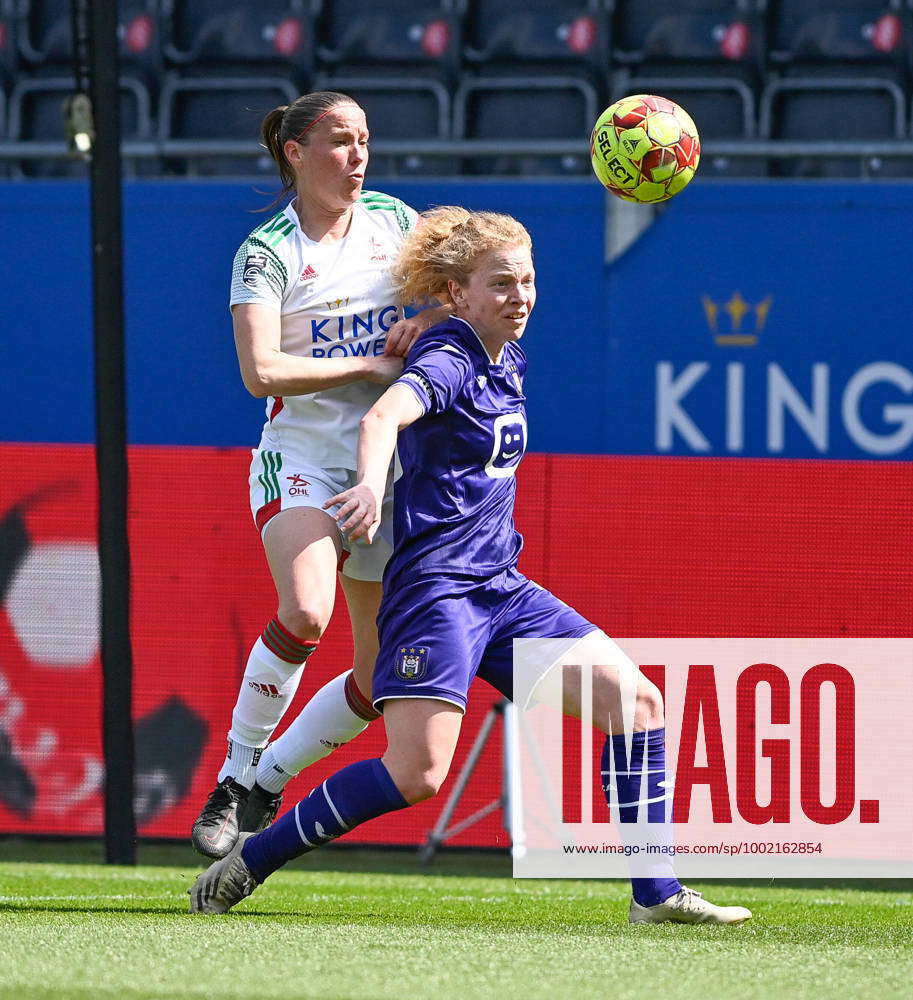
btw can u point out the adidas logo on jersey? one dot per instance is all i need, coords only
(309, 273)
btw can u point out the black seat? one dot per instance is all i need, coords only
(401, 109)
(226, 109)
(558, 36)
(400, 35)
(45, 34)
(36, 114)
(847, 38)
(671, 38)
(9, 53)
(843, 109)
(9, 57)
(275, 37)
(539, 108)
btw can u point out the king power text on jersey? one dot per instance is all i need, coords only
(350, 336)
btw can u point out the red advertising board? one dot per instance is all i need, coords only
(642, 546)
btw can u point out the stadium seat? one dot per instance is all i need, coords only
(819, 109)
(274, 35)
(848, 38)
(540, 107)
(8, 60)
(9, 55)
(401, 109)
(45, 34)
(667, 35)
(36, 114)
(396, 34)
(219, 109)
(566, 36)
(721, 109)
(681, 25)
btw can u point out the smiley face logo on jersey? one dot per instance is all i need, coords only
(509, 445)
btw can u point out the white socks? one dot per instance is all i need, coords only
(241, 763)
(267, 689)
(324, 724)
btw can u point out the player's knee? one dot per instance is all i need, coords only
(648, 712)
(305, 620)
(420, 784)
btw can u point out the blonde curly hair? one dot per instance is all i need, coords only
(447, 243)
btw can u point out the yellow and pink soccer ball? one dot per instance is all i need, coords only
(645, 148)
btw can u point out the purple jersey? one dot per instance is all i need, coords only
(454, 503)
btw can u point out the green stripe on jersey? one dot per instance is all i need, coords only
(270, 223)
(376, 200)
(279, 234)
(368, 196)
(269, 478)
(275, 230)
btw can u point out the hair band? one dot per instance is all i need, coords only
(323, 114)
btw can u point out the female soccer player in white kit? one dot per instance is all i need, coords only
(319, 334)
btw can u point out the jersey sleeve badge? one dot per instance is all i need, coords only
(254, 266)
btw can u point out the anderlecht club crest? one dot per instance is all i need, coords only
(412, 662)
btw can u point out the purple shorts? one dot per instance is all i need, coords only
(436, 633)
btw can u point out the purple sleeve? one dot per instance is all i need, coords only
(436, 377)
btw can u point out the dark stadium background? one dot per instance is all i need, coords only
(770, 498)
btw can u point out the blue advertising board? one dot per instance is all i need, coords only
(765, 320)
(747, 320)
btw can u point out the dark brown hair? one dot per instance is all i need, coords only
(294, 121)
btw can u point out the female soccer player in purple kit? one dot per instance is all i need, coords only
(454, 600)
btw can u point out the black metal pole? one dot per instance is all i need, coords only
(96, 22)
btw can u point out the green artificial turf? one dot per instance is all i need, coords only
(360, 925)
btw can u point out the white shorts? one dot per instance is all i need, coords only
(279, 480)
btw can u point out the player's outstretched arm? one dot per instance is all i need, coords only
(359, 507)
(267, 371)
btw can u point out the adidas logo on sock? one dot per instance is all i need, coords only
(269, 690)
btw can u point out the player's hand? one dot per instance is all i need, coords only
(403, 334)
(385, 370)
(359, 511)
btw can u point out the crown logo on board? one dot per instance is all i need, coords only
(736, 322)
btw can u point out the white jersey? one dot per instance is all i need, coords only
(336, 300)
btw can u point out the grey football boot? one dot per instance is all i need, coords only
(215, 830)
(224, 883)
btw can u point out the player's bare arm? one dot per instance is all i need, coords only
(268, 371)
(404, 333)
(359, 510)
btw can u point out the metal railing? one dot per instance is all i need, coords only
(468, 148)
